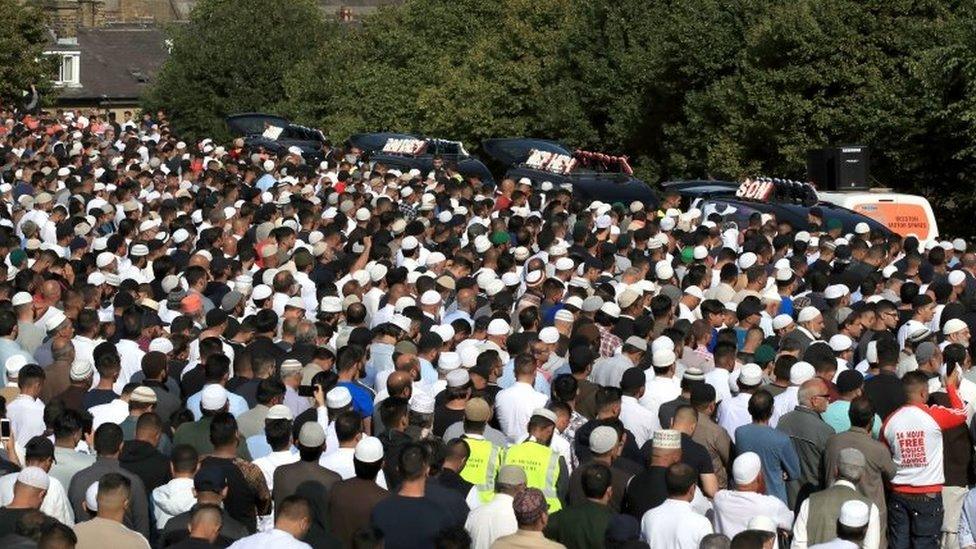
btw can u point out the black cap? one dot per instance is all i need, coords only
(210, 479)
(702, 393)
(481, 370)
(123, 300)
(215, 317)
(849, 380)
(39, 447)
(747, 308)
(581, 355)
(633, 378)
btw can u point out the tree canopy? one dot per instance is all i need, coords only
(711, 88)
(232, 57)
(23, 37)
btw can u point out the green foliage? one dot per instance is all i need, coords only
(686, 88)
(23, 37)
(232, 57)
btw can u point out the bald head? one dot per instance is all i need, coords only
(51, 291)
(467, 299)
(399, 383)
(969, 260)
(406, 363)
(685, 419)
(199, 260)
(809, 391)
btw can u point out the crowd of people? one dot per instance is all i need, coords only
(203, 345)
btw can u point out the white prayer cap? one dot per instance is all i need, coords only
(836, 291)
(213, 397)
(369, 450)
(840, 343)
(807, 314)
(449, 361)
(953, 325)
(498, 327)
(854, 513)
(663, 358)
(801, 372)
(746, 468)
(549, 335)
(751, 374)
(338, 397)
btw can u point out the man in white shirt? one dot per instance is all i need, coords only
(720, 377)
(734, 508)
(514, 405)
(675, 524)
(128, 349)
(292, 520)
(786, 401)
(662, 383)
(637, 419)
(26, 411)
(734, 412)
(112, 412)
(39, 452)
(277, 431)
(349, 431)
(496, 518)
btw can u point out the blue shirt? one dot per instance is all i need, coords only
(258, 446)
(776, 453)
(236, 404)
(785, 306)
(836, 416)
(265, 182)
(428, 374)
(381, 359)
(457, 315)
(9, 348)
(508, 378)
(362, 400)
(740, 337)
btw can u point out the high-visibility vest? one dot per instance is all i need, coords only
(483, 462)
(541, 466)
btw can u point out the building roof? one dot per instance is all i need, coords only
(117, 63)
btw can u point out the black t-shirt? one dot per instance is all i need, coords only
(245, 388)
(448, 498)
(646, 491)
(444, 417)
(193, 381)
(885, 393)
(96, 397)
(582, 442)
(408, 523)
(692, 454)
(9, 518)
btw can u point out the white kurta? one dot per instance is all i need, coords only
(674, 525)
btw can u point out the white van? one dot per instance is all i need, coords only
(904, 214)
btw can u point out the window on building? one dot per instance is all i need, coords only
(67, 72)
